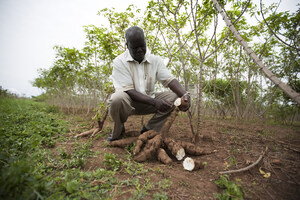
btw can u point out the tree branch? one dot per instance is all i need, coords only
(262, 14)
(248, 167)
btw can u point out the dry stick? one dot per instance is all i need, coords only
(94, 131)
(86, 133)
(100, 123)
(248, 167)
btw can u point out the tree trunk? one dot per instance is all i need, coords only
(284, 87)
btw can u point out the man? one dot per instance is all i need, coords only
(134, 74)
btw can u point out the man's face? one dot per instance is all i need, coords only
(137, 48)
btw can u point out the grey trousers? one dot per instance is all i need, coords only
(121, 107)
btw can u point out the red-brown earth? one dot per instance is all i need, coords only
(238, 144)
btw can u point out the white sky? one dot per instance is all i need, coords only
(30, 28)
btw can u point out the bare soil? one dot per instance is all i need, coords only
(238, 144)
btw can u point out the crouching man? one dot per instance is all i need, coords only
(134, 74)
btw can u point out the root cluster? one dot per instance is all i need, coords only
(152, 145)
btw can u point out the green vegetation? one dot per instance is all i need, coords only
(231, 190)
(38, 162)
(200, 53)
(27, 130)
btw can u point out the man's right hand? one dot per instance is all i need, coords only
(162, 105)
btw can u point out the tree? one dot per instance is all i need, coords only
(284, 87)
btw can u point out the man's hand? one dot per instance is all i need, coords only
(162, 105)
(177, 88)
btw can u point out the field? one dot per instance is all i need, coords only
(41, 159)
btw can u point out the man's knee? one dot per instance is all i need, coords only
(119, 102)
(117, 98)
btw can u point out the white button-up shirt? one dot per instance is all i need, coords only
(128, 74)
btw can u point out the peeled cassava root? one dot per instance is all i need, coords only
(191, 165)
(175, 148)
(181, 104)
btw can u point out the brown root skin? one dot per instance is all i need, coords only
(122, 142)
(156, 142)
(96, 130)
(150, 149)
(175, 148)
(167, 125)
(86, 133)
(191, 164)
(138, 146)
(143, 139)
(192, 149)
(184, 105)
(148, 135)
(163, 157)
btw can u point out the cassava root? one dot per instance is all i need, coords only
(191, 164)
(192, 149)
(143, 139)
(163, 157)
(175, 148)
(122, 142)
(150, 149)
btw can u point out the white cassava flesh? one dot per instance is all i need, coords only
(188, 164)
(177, 102)
(180, 154)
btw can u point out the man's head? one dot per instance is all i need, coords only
(136, 43)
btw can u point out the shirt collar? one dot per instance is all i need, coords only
(129, 57)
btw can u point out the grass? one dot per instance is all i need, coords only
(37, 163)
(231, 189)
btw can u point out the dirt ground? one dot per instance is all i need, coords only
(238, 145)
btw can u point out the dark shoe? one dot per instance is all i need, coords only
(144, 129)
(110, 138)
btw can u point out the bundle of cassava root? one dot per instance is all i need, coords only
(153, 144)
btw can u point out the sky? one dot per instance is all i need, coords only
(29, 29)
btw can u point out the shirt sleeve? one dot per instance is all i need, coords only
(163, 73)
(121, 75)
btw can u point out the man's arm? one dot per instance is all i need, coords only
(159, 104)
(177, 88)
